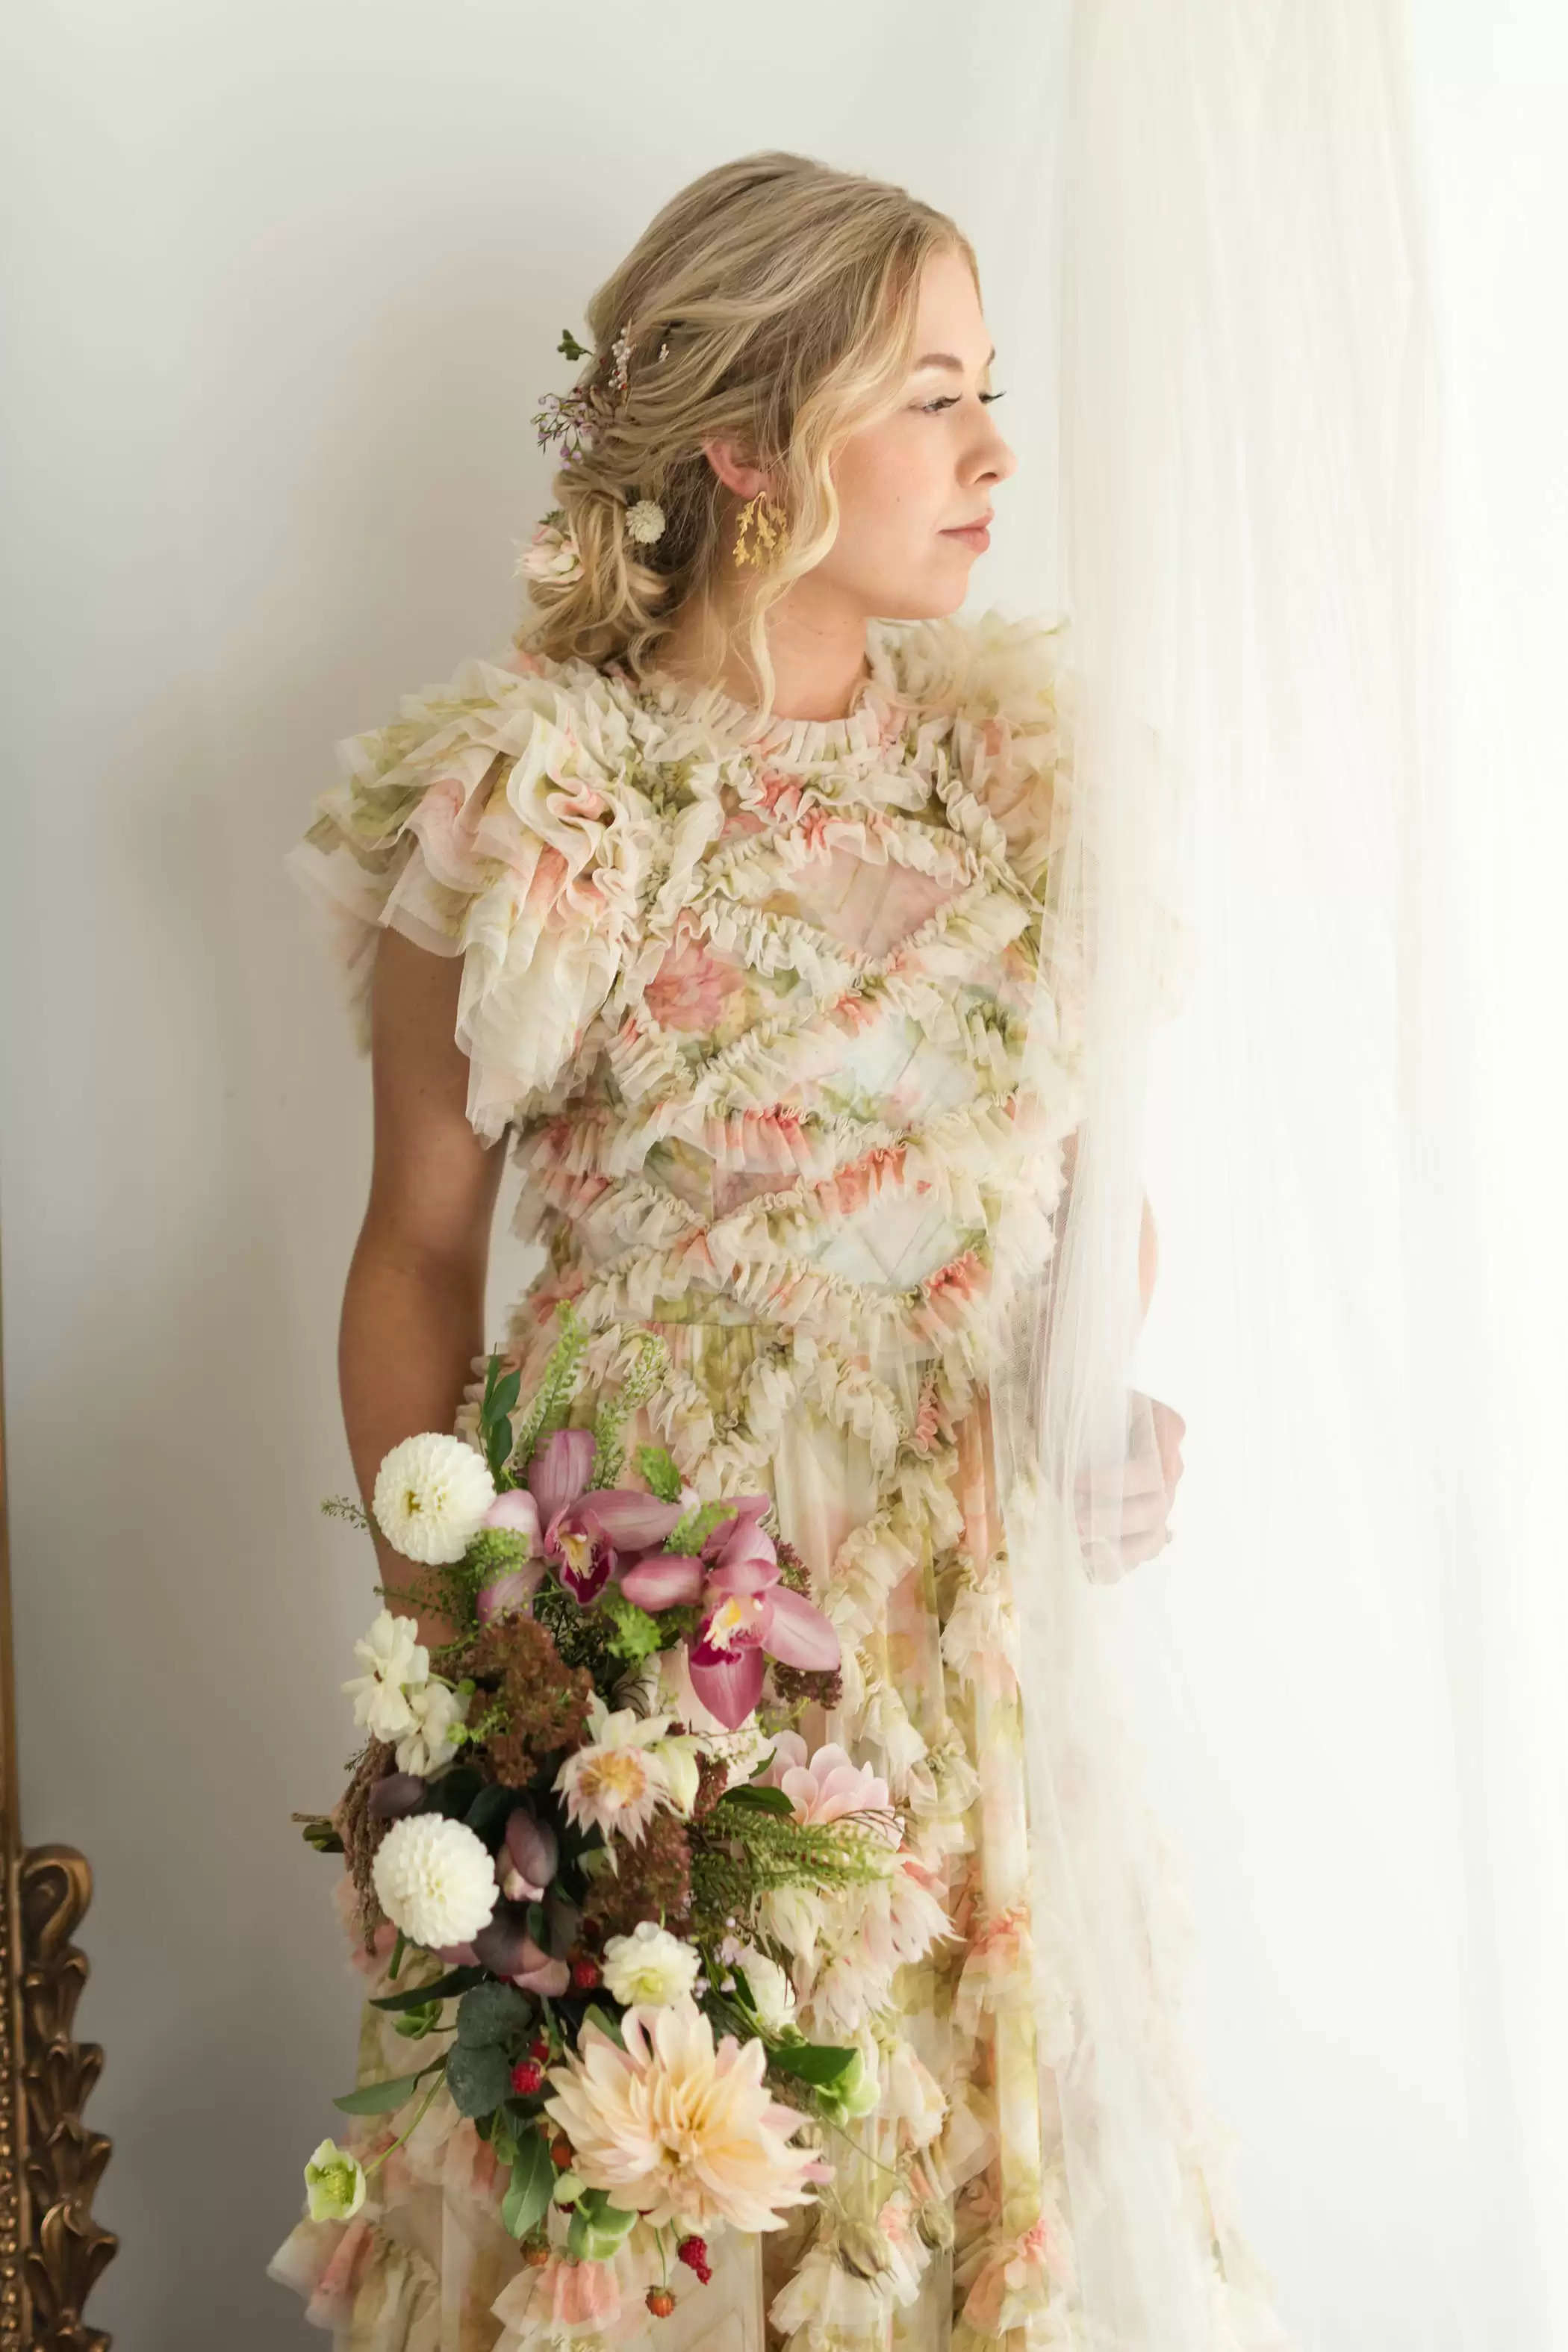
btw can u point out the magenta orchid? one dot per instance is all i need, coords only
(749, 1615)
(582, 1532)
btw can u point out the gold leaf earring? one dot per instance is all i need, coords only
(767, 522)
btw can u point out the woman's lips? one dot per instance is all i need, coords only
(975, 536)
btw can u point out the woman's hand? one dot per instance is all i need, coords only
(1127, 1521)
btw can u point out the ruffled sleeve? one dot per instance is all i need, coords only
(492, 819)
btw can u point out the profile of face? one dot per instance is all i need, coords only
(907, 482)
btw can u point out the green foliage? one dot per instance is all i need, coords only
(495, 1418)
(760, 1801)
(655, 1467)
(491, 2014)
(690, 1534)
(551, 1400)
(527, 2198)
(571, 348)
(441, 1987)
(636, 1635)
(815, 2063)
(345, 1507)
(478, 2076)
(416, 2023)
(381, 2098)
(318, 1832)
(648, 1371)
(597, 2227)
(745, 1848)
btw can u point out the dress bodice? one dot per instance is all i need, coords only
(749, 993)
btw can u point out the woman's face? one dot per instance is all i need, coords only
(906, 482)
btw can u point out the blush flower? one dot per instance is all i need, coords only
(749, 1615)
(586, 1529)
(678, 2128)
(615, 1782)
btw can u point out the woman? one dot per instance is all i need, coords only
(725, 897)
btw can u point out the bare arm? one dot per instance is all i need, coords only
(414, 1305)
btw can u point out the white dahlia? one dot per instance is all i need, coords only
(650, 1966)
(435, 1879)
(677, 2130)
(395, 1662)
(436, 1713)
(431, 1494)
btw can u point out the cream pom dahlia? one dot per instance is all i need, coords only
(431, 1494)
(435, 1879)
(677, 2130)
(650, 1966)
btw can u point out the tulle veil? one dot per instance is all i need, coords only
(1249, 595)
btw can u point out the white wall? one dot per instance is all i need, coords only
(286, 282)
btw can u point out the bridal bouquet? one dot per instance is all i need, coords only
(650, 1929)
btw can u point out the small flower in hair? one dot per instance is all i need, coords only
(552, 553)
(645, 522)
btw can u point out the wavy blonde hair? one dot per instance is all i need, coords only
(784, 294)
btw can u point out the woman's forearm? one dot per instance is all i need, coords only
(411, 1324)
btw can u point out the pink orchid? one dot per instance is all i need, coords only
(579, 1530)
(749, 1615)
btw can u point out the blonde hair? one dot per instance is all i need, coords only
(784, 295)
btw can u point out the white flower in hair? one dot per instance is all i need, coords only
(645, 522)
(551, 554)
(435, 1879)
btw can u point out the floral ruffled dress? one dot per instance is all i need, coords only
(749, 995)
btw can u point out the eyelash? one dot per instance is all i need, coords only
(935, 407)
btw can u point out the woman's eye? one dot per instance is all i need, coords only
(950, 400)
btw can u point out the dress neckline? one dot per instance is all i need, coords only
(708, 706)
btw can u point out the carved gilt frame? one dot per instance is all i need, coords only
(51, 2249)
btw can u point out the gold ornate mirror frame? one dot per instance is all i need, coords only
(51, 2249)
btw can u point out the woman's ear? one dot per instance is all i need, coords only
(733, 470)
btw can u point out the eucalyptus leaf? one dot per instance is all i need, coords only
(490, 2013)
(478, 2077)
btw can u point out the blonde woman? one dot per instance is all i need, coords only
(717, 906)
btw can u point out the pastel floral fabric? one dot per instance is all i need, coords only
(747, 999)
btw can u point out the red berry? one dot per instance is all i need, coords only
(693, 2252)
(561, 2154)
(584, 1975)
(539, 2048)
(661, 2302)
(536, 2253)
(526, 2077)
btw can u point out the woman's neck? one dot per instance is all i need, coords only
(819, 665)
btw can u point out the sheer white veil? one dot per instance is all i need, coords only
(1250, 582)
